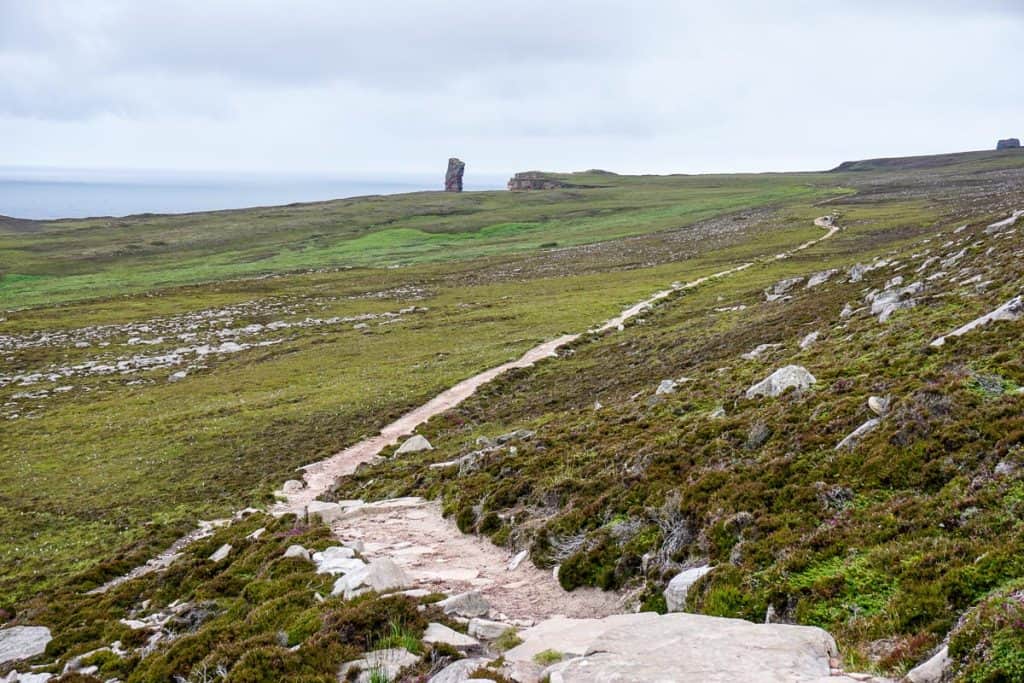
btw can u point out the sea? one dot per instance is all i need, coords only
(48, 193)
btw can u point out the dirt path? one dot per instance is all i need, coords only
(413, 532)
(438, 557)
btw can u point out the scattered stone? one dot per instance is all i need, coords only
(453, 176)
(934, 670)
(846, 312)
(468, 605)
(757, 351)
(517, 435)
(1010, 311)
(518, 560)
(879, 405)
(374, 665)
(887, 302)
(485, 629)
(1005, 223)
(23, 642)
(460, 671)
(809, 340)
(667, 386)
(221, 553)
(255, 536)
(854, 437)
(336, 560)
(381, 575)
(782, 379)
(717, 414)
(675, 592)
(178, 376)
(297, 551)
(780, 288)
(414, 444)
(820, 278)
(324, 511)
(439, 633)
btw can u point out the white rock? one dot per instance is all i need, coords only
(518, 560)
(933, 670)
(381, 575)
(255, 536)
(297, 551)
(879, 405)
(177, 376)
(324, 511)
(570, 637)
(439, 633)
(336, 560)
(675, 592)
(292, 486)
(758, 350)
(1010, 311)
(667, 386)
(221, 553)
(693, 647)
(23, 642)
(485, 629)
(468, 605)
(381, 662)
(809, 340)
(779, 289)
(854, 437)
(820, 278)
(414, 444)
(781, 380)
(460, 671)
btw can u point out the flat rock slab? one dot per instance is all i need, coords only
(23, 642)
(570, 637)
(694, 647)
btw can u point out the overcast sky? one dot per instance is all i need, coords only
(399, 86)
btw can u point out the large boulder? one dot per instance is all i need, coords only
(381, 575)
(675, 592)
(458, 672)
(790, 376)
(453, 176)
(23, 642)
(1008, 143)
(694, 647)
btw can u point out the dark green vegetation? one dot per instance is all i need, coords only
(237, 620)
(885, 545)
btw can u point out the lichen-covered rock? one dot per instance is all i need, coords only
(790, 376)
(534, 180)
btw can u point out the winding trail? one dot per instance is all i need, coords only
(413, 532)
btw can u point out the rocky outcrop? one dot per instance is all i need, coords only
(453, 177)
(933, 670)
(1011, 311)
(534, 180)
(23, 642)
(1008, 143)
(780, 288)
(790, 376)
(681, 647)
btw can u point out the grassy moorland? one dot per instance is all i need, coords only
(302, 328)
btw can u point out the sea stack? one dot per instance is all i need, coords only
(1008, 143)
(453, 178)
